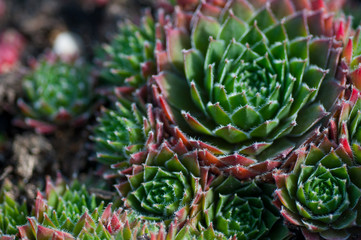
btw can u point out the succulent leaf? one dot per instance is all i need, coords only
(320, 192)
(251, 73)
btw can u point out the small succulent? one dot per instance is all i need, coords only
(119, 132)
(243, 210)
(56, 93)
(129, 129)
(12, 214)
(321, 192)
(63, 209)
(129, 59)
(244, 75)
(64, 212)
(167, 187)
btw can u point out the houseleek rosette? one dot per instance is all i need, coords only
(243, 77)
(322, 192)
(128, 131)
(120, 132)
(56, 93)
(167, 187)
(243, 210)
(129, 59)
(63, 212)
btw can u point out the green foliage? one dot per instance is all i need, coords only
(56, 93)
(120, 132)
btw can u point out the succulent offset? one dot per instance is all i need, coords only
(167, 187)
(119, 132)
(322, 193)
(129, 59)
(128, 131)
(56, 93)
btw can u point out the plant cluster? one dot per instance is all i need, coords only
(230, 119)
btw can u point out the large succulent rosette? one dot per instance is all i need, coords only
(246, 75)
(321, 192)
(243, 210)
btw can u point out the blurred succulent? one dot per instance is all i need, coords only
(244, 75)
(321, 192)
(243, 210)
(56, 93)
(12, 214)
(353, 8)
(129, 59)
(11, 46)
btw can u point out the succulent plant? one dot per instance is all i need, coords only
(166, 187)
(243, 210)
(129, 59)
(119, 132)
(244, 75)
(12, 214)
(63, 211)
(56, 93)
(131, 128)
(321, 192)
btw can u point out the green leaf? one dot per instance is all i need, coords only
(203, 29)
(264, 129)
(246, 117)
(308, 117)
(231, 134)
(178, 40)
(193, 63)
(232, 28)
(218, 114)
